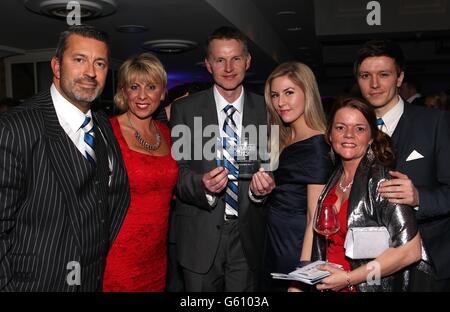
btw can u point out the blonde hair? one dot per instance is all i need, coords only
(145, 66)
(301, 75)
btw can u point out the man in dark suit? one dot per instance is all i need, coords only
(410, 90)
(63, 185)
(421, 138)
(219, 230)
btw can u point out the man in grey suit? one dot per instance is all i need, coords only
(63, 185)
(219, 230)
(421, 138)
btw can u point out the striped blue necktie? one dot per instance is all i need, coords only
(89, 140)
(231, 193)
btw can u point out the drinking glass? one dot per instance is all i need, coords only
(326, 222)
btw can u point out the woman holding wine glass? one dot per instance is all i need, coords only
(365, 154)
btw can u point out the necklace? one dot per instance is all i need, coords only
(140, 139)
(344, 188)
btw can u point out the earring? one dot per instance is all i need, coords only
(370, 153)
(332, 156)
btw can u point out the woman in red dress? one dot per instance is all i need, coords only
(137, 259)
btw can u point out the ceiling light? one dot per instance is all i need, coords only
(170, 46)
(200, 64)
(58, 8)
(131, 29)
(304, 48)
(296, 28)
(284, 13)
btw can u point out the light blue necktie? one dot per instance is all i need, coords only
(231, 193)
(89, 140)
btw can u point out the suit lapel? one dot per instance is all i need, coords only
(250, 113)
(400, 137)
(209, 109)
(209, 117)
(60, 151)
(249, 117)
(112, 148)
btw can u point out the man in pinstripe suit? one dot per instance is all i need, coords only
(62, 202)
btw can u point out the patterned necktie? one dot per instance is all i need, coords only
(89, 140)
(231, 193)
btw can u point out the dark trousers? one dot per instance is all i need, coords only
(230, 271)
(427, 282)
(174, 277)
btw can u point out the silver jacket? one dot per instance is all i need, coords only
(366, 208)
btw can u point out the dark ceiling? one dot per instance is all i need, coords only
(325, 34)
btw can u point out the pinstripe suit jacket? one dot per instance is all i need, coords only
(49, 204)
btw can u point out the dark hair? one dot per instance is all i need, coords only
(227, 33)
(180, 90)
(382, 143)
(86, 31)
(380, 48)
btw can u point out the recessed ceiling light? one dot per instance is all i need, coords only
(304, 48)
(284, 13)
(131, 29)
(296, 28)
(170, 46)
(58, 8)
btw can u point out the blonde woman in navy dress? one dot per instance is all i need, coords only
(294, 104)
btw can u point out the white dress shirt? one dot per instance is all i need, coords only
(412, 98)
(221, 103)
(70, 118)
(392, 117)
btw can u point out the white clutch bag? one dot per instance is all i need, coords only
(366, 242)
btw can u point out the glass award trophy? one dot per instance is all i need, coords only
(244, 153)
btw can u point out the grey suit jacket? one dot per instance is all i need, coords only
(198, 225)
(48, 200)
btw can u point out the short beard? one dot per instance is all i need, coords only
(78, 96)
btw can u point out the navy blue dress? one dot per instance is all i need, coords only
(301, 163)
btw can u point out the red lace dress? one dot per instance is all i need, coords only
(137, 259)
(336, 251)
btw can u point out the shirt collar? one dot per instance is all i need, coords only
(392, 117)
(67, 113)
(221, 102)
(412, 98)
